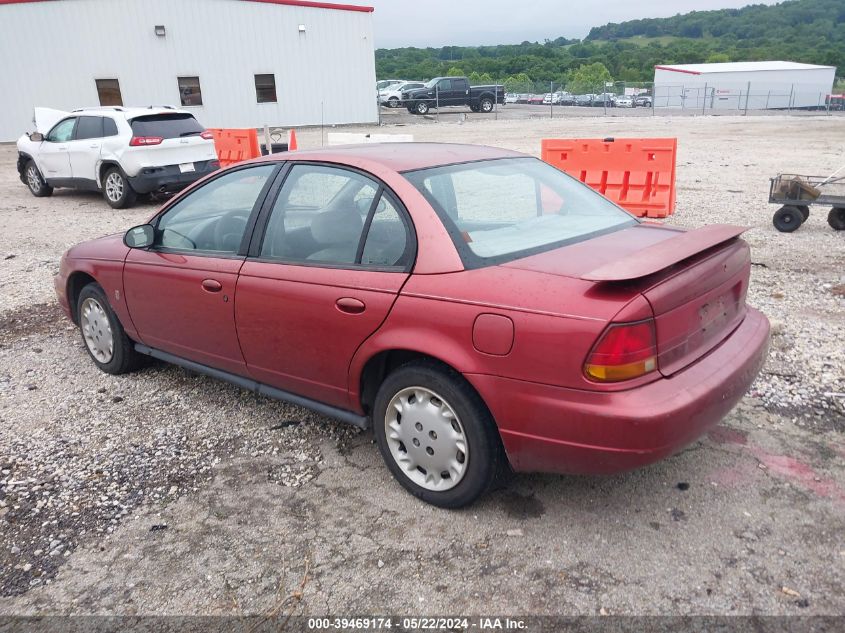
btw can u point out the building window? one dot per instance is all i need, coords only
(189, 91)
(108, 90)
(265, 88)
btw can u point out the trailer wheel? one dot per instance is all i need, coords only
(787, 219)
(836, 218)
(805, 212)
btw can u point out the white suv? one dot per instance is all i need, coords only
(119, 151)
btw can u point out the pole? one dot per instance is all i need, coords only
(704, 101)
(268, 142)
(551, 99)
(791, 91)
(768, 96)
(747, 95)
(683, 97)
(437, 100)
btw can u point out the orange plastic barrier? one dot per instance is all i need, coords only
(638, 174)
(234, 145)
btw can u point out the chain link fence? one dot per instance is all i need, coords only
(560, 99)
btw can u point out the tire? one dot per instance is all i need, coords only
(836, 218)
(805, 212)
(475, 108)
(393, 102)
(117, 191)
(103, 335)
(787, 219)
(486, 105)
(470, 444)
(35, 181)
(421, 107)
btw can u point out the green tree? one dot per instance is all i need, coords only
(718, 58)
(454, 71)
(589, 78)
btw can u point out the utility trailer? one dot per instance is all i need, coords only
(797, 193)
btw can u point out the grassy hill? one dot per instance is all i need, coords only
(811, 31)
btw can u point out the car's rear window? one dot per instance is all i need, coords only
(166, 125)
(503, 209)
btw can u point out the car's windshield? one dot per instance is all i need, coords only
(431, 82)
(497, 210)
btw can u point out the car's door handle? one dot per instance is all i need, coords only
(94, 146)
(212, 285)
(350, 305)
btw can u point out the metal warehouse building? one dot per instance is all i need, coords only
(234, 63)
(743, 85)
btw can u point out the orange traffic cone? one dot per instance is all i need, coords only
(291, 140)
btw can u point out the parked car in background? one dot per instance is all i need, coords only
(584, 100)
(523, 97)
(453, 91)
(564, 98)
(535, 99)
(475, 307)
(549, 99)
(624, 101)
(642, 101)
(386, 83)
(511, 97)
(118, 151)
(392, 95)
(604, 99)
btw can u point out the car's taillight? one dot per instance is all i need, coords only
(137, 141)
(208, 136)
(624, 351)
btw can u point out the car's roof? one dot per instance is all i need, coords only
(402, 156)
(130, 112)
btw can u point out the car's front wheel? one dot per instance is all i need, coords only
(436, 435)
(106, 341)
(35, 181)
(421, 108)
(116, 189)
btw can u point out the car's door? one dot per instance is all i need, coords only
(334, 252)
(180, 292)
(443, 92)
(459, 94)
(84, 148)
(53, 159)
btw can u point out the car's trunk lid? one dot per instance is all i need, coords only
(695, 281)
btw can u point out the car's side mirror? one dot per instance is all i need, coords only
(140, 236)
(36, 137)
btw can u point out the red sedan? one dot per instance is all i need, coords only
(476, 307)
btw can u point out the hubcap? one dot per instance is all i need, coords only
(487, 106)
(33, 178)
(114, 187)
(426, 439)
(96, 329)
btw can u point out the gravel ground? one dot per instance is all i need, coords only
(165, 492)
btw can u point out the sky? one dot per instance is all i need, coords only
(477, 22)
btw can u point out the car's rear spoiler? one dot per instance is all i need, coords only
(663, 254)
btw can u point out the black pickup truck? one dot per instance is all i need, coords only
(452, 91)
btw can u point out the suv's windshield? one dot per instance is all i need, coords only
(497, 210)
(166, 125)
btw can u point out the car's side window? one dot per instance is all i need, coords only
(213, 218)
(89, 127)
(388, 241)
(322, 214)
(109, 127)
(62, 132)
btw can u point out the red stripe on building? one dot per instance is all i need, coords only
(677, 70)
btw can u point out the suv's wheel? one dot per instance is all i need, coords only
(116, 189)
(436, 435)
(103, 335)
(421, 108)
(393, 102)
(486, 104)
(35, 181)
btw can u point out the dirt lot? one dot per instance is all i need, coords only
(165, 493)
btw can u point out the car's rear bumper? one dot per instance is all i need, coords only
(170, 178)
(554, 429)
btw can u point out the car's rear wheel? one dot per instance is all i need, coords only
(116, 189)
(436, 435)
(486, 105)
(393, 102)
(104, 337)
(35, 181)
